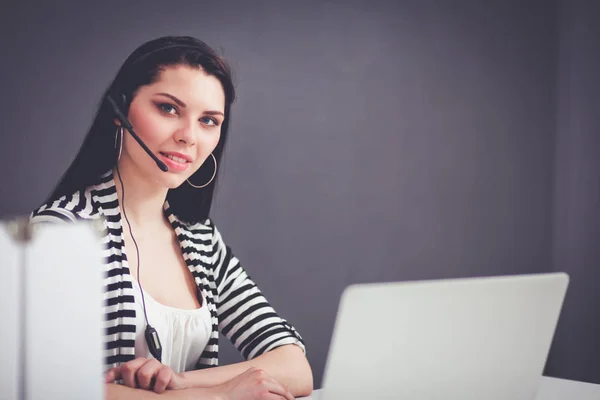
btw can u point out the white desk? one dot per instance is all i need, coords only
(550, 389)
(562, 389)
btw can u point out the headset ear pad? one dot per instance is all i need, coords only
(123, 103)
(118, 102)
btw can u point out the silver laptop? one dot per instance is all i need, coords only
(457, 339)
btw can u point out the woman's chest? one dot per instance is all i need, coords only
(161, 270)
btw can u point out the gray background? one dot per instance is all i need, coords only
(371, 141)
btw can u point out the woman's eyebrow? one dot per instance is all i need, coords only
(214, 113)
(182, 104)
(175, 99)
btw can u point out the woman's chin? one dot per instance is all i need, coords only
(171, 182)
(175, 183)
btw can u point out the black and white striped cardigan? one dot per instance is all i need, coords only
(238, 308)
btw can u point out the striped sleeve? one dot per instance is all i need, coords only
(53, 213)
(65, 209)
(245, 316)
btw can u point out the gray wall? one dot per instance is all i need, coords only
(576, 248)
(371, 141)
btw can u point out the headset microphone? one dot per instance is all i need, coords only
(151, 335)
(128, 126)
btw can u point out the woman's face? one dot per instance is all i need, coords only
(179, 118)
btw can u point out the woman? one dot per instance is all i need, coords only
(171, 283)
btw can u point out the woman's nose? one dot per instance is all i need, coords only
(186, 133)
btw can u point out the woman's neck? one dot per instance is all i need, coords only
(142, 200)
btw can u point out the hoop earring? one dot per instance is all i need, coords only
(212, 177)
(119, 138)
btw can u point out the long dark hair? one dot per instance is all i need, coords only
(97, 154)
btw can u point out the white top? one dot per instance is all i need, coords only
(183, 333)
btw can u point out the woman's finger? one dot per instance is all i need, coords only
(269, 383)
(163, 378)
(146, 372)
(129, 369)
(112, 375)
(277, 388)
(272, 396)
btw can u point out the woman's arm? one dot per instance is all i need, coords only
(261, 336)
(249, 385)
(286, 364)
(114, 391)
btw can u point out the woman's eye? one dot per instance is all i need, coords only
(167, 108)
(209, 121)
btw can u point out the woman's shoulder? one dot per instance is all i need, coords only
(203, 233)
(197, 229)
(67, 208)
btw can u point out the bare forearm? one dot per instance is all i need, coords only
(287, 364)
(122, 392)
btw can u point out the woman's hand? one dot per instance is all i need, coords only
(147, 374)
(254, 384)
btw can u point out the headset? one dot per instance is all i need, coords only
(151, 335)
(127, 125)
(121, 117)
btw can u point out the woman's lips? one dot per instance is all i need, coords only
(174, 163)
